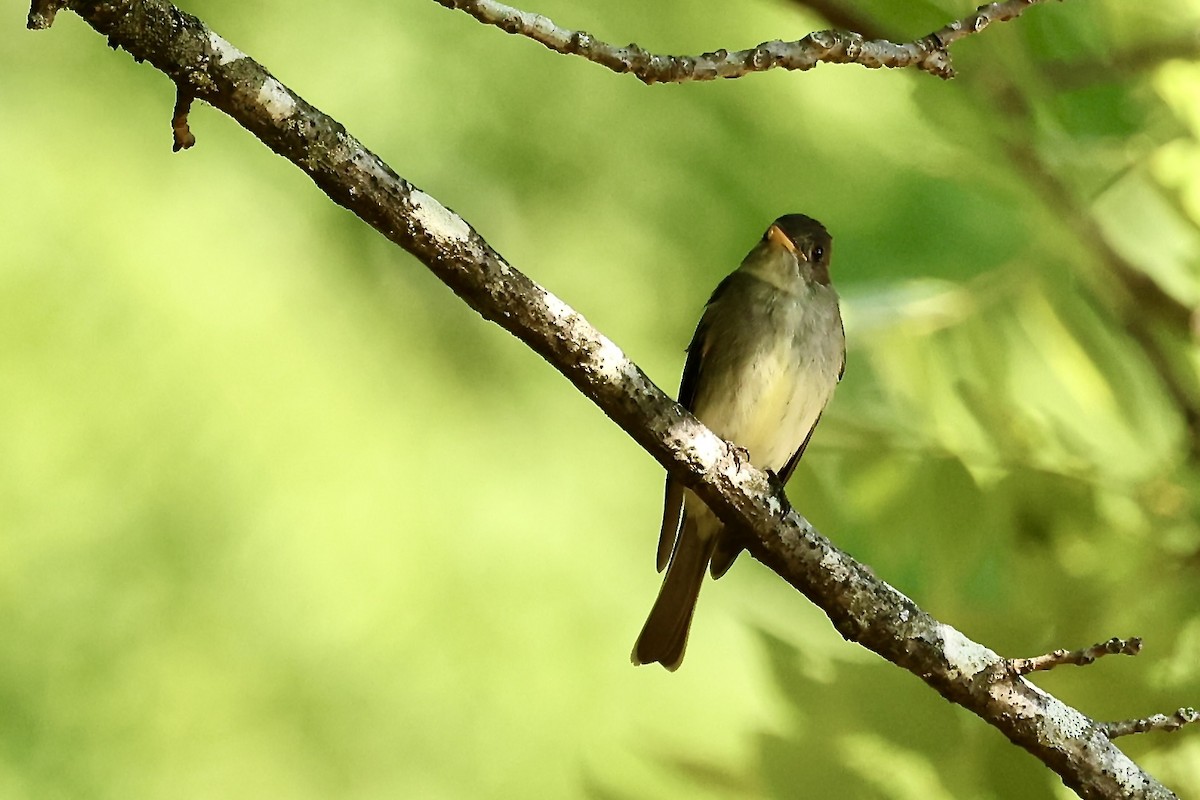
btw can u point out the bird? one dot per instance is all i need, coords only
(762, 365)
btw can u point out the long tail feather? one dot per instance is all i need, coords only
(664, 636)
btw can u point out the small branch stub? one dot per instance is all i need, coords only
(1157, 722)
(1080, 658)
(180, 130)
(41, 13)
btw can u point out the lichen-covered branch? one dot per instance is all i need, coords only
(832, 47)
(863, 608)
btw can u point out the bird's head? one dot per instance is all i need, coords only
(794, 246)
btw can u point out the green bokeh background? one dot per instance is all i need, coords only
(281, 517)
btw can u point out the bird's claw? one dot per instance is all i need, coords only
(740, 454)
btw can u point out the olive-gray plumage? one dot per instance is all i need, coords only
(762, 365)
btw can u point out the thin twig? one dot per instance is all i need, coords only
(1080, 658)
(1157, 722)
(984, 16)
(833, 46)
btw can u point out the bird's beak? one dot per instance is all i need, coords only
(777, 236)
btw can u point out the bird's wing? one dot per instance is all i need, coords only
(692, 368)
(842, 370)
(672, 517)
(790, 467)
(698, 348)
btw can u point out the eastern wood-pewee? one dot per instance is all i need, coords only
(764, 361)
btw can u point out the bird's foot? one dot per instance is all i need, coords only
(740, 454)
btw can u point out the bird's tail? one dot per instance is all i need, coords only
(665, 634)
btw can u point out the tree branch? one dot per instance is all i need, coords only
(833, 47)
(863, 608)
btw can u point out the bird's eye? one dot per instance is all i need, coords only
(818, 252)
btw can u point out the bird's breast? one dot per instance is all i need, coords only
(765, 391)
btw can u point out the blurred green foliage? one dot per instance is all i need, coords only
(281, 517)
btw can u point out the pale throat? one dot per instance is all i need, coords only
(778, 268)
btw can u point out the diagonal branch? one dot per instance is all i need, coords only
(863, 608)
(833, 47)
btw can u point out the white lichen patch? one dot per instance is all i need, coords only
(1058, 721)
(440, 222)
(557, 309)
(835, 567)
(226, 53)
(542, 25)
(610, 359)
(368, 162)
(276, 99)
(708, 448)
(966, 658)
(1127, 773)
(607, 358)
